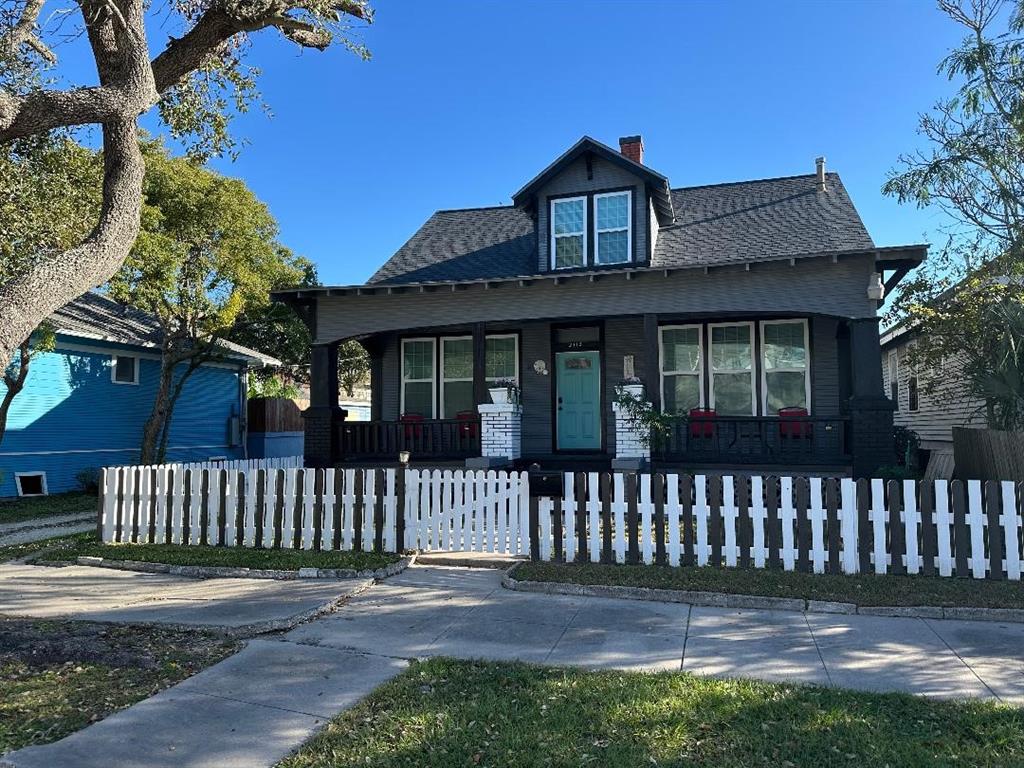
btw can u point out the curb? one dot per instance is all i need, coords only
(223, 572)
(722, 600)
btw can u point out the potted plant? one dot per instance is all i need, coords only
(633, 385)
(504, 391)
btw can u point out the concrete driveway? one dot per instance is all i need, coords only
(252, 709)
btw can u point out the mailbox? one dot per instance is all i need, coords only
(545, 483)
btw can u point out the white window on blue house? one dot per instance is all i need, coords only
(124, 369)
(613, 215)
(568, 232)
(31, 483)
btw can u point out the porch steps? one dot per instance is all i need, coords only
(469, 559)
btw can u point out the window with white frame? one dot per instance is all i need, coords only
(501, 357)
(31, 483)
(613, 216)
(568, 232)
(418, 377)
(732, 368)
(785, 365)
(124, 369)
(456, 376)
(894, 378)
(682, 368)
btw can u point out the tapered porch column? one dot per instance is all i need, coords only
(324, 413)
(871, 441)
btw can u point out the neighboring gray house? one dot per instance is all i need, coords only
(748, 309)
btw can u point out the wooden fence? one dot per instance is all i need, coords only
(273, 414)
(964, 529)
(988, 454)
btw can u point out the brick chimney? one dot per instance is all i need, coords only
(633, 148)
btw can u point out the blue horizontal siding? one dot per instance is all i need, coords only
(71, 416)
(269, 445)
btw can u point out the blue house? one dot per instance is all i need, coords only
(84, 404)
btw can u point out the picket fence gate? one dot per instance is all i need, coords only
(964, 529)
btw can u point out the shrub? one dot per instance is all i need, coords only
(89, 480)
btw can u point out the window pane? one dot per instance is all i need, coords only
(500, 359)
(785, 390)
(682, 392)
(569, 251)
(419, 398)
(613, 211)
(730, 348)
(458, 397)
(612, 247)
(418, 360)
(568, 216)
(458, 358)
(124, 369)
(681, 347)
(733, 394)
(784, 346)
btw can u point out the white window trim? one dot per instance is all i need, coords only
(113, 370)
(806, 369)
(432, 379)
(441, 376)
(893, 363)
(628, 228)
(700, 357)
(551, 226)
(753, 363)
(514, 337)
(17, 482)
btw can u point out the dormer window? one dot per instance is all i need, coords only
(592, 230)
(569, 232)
(613, 236)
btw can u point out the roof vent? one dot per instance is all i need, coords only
(819, 163)
(633, 148)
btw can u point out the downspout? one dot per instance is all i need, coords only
(243, 413)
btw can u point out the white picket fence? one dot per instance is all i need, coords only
(235, 465)
(816, 525)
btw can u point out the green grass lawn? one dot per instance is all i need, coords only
(232, 557)
(450, 713)
(58, 544)
(19, 510)
(864, 590)
(58, 676)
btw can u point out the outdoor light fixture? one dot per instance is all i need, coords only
(403, 457)
(876, 288)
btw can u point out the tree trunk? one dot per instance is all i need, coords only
(14, 384)
(158, 416)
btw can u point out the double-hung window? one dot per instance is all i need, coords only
(501, 360)
(681, 368)
(456, 376)
(568, 232)
(785, 370)
(612, 213)
(418, 377)
(732, 368)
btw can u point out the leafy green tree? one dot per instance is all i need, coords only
(207, 253)
(200, 80)
(49, 196)
(965, 303)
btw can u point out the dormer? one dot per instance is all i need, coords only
(596, 208)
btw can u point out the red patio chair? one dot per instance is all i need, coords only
(413, 425)
(702, 423)
(471, 428)
(793, 424)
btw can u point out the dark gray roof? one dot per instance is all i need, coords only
(737, 222)
(95, 316)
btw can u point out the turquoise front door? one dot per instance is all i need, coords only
(578, 400)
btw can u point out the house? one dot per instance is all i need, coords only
(747, 309)
(85, 402)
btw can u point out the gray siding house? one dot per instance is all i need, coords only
(747, 309)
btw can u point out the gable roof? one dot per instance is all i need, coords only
(98, 317)
(732, 223)
(657, 183)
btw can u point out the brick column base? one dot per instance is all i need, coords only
(501, 435)
(872, 440)
(321, 435)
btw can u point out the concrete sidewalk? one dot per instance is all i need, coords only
(252, 709)
(38, 528)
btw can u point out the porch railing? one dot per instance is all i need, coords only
(428, 439)
(743, 440)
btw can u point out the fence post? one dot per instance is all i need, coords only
(534, 534)
(101, 497)
(403, 466)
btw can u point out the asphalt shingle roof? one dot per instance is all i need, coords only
(95, 316)
(718, 224)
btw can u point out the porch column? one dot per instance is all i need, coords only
(480, 365)
(375, 349)
(321, 438)
(652, 365)
(871, 439)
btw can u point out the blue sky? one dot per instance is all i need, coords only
(465, 101)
